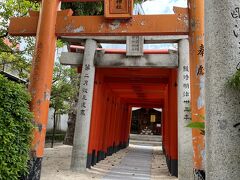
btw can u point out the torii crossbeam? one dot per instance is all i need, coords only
(68, 25)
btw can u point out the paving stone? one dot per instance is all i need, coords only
(135, 165)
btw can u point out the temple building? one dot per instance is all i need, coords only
(146, 121)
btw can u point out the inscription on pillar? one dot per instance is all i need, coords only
(236, 33)
(85, 90)
(135, 45)
(236, 30)
(186, 93)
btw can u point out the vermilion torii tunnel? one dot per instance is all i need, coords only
(117, 90)
(114, 96)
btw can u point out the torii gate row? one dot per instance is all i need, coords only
(133, 85)
(50, 24)
(116, 89)
(108, 58)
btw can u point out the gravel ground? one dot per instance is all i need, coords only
(159, 170)
(56, 164)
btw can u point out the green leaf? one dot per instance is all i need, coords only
(15, 129)
(196, 125)
(234, 81)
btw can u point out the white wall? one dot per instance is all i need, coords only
(61, 123)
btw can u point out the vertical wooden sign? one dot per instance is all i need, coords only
(118, 9)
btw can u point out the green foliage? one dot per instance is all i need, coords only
(197, 124)
(79, 8)
(11, 8)
(88, 8)
(64, 89)
(234, 81)
(60, 43)
(15, 129)
(11, 57)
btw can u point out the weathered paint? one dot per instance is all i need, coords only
(42, 70)
(196, 10)
(67, 25)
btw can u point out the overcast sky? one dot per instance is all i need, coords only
(162, 6)
(156, 7)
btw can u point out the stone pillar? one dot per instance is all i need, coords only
(222, 54)
(84, 109)
(185, 149)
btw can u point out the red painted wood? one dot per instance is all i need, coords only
(123, 88)
(93, 126)
(173, 146)
(103, 108)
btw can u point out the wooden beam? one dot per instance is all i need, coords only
(173, 24)
(136, 81)
(121, 60)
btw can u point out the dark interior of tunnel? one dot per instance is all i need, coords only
(146, 121)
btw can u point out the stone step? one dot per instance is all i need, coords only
(152, 138)
(145, 143)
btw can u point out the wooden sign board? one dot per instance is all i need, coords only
(118, 9)
(153, 118)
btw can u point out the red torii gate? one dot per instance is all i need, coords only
(51, 23)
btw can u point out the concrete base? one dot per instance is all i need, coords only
(100, 155)
(34, 166)
(109, 151)
(172, 166)
(93, 158)
(115, 148)
(199, 174)
(89, 160)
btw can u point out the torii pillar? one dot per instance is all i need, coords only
(83, 119)
(196, 39)
(41, 81)
(185, 148)
(222, 38)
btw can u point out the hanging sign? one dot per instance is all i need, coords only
(118, 9)
(153, 118)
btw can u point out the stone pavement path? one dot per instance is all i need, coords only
(137, 162)
(136, 165)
